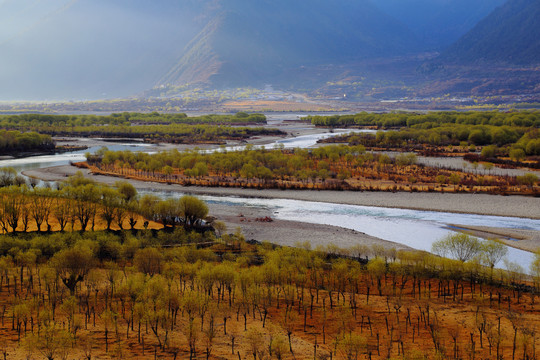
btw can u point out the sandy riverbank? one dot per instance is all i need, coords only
(282, 232)
(289, 232)
(528, 240)
(515, 206)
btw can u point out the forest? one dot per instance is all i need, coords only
(330, 167)
(77, 281)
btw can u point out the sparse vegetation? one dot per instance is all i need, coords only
(156, 294)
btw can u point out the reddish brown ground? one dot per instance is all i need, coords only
(391, 324)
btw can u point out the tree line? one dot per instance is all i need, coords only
(15, 142)
(81, 204)
(27, 121)
(432, 119)
(174, 128)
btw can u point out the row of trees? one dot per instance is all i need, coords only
(432, 119)
(175, 128)
(176, 133)
(332, 167)
(81, 204)
(500, 141)
(181, 118)
(51, 121)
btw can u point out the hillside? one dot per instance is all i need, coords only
(510, 34)
(258, 42)
(438, 23)
(358, 49)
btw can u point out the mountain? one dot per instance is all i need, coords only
(90, 49)
(509, 35)
(256, 42)
(438, 23)
(87, 49)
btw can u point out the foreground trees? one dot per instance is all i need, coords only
(187, 211)
(82, 205)
(72, 265)
(236, 300)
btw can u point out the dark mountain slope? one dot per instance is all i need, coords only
(253, 42)
(438, 23)
(510, 34)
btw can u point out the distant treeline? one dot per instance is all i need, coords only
(504, 139)
(176, 128)
(15, 141)
(41, 122)
(430, 120)
(513, 134)
(175, 133)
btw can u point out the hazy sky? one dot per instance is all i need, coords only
(90, 48)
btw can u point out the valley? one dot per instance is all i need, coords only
(269, 180)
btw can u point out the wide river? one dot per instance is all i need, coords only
(417, 229)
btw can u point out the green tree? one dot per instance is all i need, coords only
(192, 210)
(492, 251)
(528, 179)
(126, 190)
(72, 265)
(460, 246)
(50, 342)
(517, 154)
(148, 261)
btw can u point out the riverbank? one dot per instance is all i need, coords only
(482, 204)
(281, 232)
(291, 232)
(528, 240)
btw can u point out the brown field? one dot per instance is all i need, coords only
(400, 321)
(269, 105)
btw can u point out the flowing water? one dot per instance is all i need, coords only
(414, 228)
(417, 229)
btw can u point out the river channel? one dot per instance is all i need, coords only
(414, 228)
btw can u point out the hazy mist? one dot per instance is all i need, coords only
(88, 49)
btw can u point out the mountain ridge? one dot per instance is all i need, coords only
(508, 35)
(262, 39)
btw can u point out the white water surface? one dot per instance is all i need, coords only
(414, 228)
